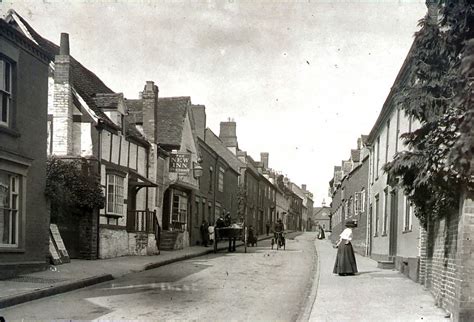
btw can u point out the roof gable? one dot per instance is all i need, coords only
(172, 113)
(85, 82)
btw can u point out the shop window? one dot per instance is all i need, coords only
(115, 188)
(9, 209)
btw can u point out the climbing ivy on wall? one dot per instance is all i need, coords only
(438, 93)
(70, 188)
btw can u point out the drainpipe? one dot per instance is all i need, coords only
(214, 187)
(99, 163)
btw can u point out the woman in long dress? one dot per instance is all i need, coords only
(345, 260)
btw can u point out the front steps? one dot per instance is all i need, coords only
(168, 240)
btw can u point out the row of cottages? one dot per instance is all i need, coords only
(24, 216)
(307, 204)
(89, 122)
(162, 171)
(440, 256)
(349, 196)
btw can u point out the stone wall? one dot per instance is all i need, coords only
(113, 242)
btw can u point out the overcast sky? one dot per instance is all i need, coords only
(302, 79)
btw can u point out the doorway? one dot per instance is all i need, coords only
(393, 224)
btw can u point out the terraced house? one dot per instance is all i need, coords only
(24, 216)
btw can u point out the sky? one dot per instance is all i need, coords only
(302, 79)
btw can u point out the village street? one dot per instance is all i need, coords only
(263, 284)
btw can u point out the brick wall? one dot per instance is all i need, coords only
(440, 267)
(150, 110)
(88, 235)
(464, 287)
(446, 263)
(62, 107)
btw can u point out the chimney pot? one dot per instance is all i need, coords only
(64, 44)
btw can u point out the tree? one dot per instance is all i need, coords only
(438, 93)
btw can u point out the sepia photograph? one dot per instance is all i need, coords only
(237, 160)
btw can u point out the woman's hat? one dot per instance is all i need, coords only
(351, 223)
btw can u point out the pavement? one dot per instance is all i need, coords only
(373, 294)
(82, 273)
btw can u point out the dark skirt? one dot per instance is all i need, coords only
(321, 234)
(345, 259)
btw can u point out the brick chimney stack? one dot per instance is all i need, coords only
(432, 6)
(264, 159)
(62, 100)
(303, 186)
(228, 135)
(199, 116)
(150, 110)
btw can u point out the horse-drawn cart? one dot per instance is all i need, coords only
(231, 233)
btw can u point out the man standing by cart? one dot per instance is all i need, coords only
(204, 233)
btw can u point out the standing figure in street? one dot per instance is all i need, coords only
(211, 234)
(345, 259)
(205, 232)
(321, 234)
(228, 220)
(268, 227)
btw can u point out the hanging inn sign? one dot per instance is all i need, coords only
(180, 162)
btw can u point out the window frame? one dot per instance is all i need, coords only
(407, 215)
(376, 216)
(116, 196)
(5, 92)
(377, 166)
(220, 181)
(15, 241)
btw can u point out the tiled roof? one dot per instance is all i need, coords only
(108, 100)
(316, 210)
(135, 110)
(172, 113)
(217, 145)
(85, 82)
